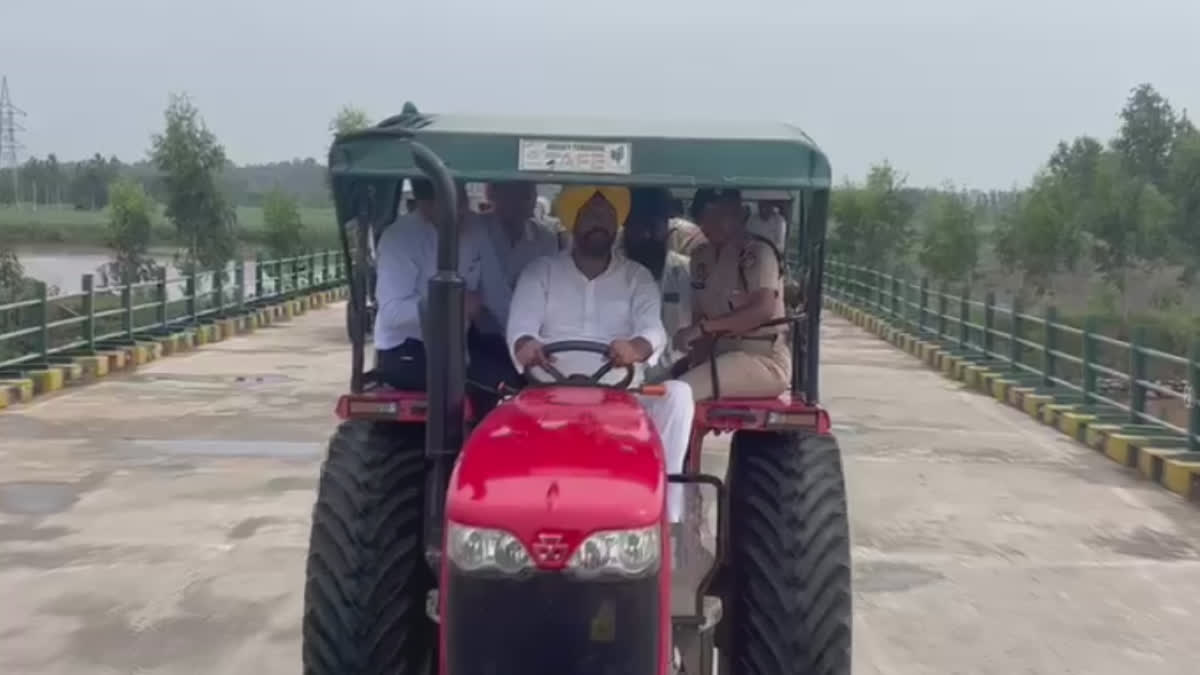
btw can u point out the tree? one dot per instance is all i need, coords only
(191, 160)
(1147, 129)
(129, 235)
(349, 118)
(90, 180)
(1128, 221)
(950, 241)
(12, 276)
(285, 231)
(874, 221)
(1183, 186)
(1040, 237)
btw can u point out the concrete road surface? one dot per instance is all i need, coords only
(156, 523)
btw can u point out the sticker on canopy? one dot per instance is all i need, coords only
(576, 157)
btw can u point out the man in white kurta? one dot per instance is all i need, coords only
(590, 294)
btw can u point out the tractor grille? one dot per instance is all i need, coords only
(550, 624)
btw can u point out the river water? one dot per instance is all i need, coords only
(63, 266)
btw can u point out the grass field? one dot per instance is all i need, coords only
(63, 224)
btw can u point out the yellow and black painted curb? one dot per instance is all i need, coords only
(67, 371)
(1153, 454)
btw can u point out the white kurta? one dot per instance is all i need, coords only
(554, 301)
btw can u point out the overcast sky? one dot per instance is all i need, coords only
(972, 91)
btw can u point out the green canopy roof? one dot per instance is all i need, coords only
(589, 150)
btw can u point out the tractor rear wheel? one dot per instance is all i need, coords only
(364, 595)
(789, 556)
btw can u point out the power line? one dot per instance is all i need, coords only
(10, 147)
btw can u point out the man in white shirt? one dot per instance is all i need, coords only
(590, 294)
(683, 235)
(510, 239)
(645, 241)
(768, 224)
(406, 259)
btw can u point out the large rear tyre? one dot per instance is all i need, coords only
(364, 596)
(789, 556)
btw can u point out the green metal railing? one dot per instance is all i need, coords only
(45, 330)
(1078, 364)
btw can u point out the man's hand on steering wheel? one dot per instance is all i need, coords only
(529, 353)
(624, 353)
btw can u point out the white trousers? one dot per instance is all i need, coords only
(672, 414)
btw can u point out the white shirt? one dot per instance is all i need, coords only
(773, 229)
(554, 301)
(676, 309)
(406, 259)
(502, 262)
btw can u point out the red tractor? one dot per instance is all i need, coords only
(535, 540)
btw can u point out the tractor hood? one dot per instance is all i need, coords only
(572, 460)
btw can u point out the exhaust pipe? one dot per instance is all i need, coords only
(445, 353)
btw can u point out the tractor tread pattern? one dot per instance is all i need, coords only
(364, 594)
(792, 609)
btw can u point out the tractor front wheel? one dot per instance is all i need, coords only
(789, 556)
(364, 596)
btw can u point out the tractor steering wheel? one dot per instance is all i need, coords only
(575, 378)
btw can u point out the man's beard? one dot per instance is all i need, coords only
(595, 243)
(650, 253)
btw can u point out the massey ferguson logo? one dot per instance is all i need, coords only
(550, 549)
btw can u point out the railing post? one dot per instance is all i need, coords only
(193, 305)
(1137, 375)
(219, 288)
(896, 306)
(312, 268)
(1015, 349)
(127, 305)
(43, 321)
(239, 289)
(1049, 345)
(941, 311)
(1088, 360)
(922, 303)
(964, 316)
(161, 288)
(880, 293)
(89, 312)
(258, 276)
(989, 324)
(1193, 397)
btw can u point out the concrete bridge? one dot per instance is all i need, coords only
(156, 521)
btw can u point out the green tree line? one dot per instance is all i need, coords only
(1115, 213)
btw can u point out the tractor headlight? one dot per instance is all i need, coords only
(477, 549)
(620, 552)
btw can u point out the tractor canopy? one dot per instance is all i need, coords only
(764, 160)
(585, 150)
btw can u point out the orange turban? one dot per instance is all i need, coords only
(573, 197)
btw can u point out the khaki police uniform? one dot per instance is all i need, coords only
(759, 363)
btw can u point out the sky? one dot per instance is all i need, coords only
(972, 92)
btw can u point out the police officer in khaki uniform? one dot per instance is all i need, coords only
(737, 287)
